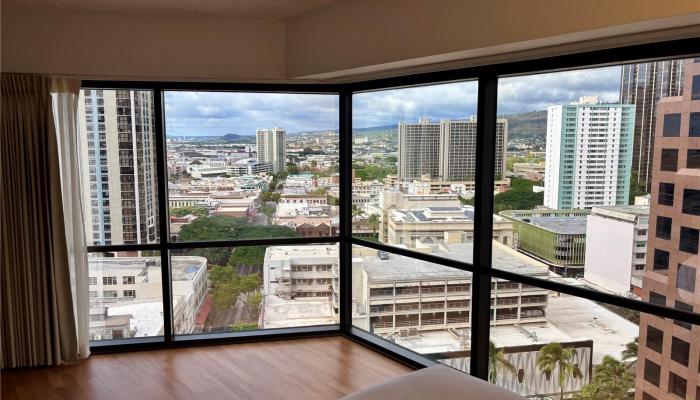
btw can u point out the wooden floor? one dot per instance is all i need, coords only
(319, 368)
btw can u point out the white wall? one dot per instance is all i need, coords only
(609, 251)
(141, 46)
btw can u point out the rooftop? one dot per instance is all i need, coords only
(560, 225)
(300, 252)
(622, 212)
(399, 268)
(279, 313)
(569, 319)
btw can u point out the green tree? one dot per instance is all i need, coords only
(228, 287)
(555, 357)
(357, 212)
(223, 227)
(268, 211)
(611, 381)
(391, 160)
(253, 303)
(247, 255)
(194, 210)
(630, 351)
(636, 188)
(373, 221)
(497, 362)
(292, 169)
(243, 326)
(318, 192)
(270, 197)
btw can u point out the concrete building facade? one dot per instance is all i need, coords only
(272, 148)
(117, 143)
(616, 247)
(445, 150)
(589, 154)
(555, 237)
(669, 351)
(644, 84)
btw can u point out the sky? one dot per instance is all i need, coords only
(219, 113)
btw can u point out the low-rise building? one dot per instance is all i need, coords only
(392, 294)
(300, 285)
(616, 247)
(429, 225)
(555, 237)
(126, 300)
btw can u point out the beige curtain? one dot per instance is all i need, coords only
(37, 324)
(65, 96)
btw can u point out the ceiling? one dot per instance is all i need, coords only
(254, 9)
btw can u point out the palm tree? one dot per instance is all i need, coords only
(554, 356)
(373, 222)
(611, 381)
(614, 378)
(630, 351)
(497, 361)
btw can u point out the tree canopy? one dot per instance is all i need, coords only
(194, 210)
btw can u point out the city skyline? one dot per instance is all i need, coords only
(195, 114)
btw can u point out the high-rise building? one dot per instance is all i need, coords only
(445, 150)
(272, 148)
(668, 356)
(588, 156)
(644, 84)
(118, 151)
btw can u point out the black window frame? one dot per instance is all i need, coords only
(481, 268)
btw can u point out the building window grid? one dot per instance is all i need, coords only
(164, 239)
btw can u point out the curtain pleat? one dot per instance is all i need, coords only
(37, 323)
(65, 96)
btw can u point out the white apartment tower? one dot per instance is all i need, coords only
(272, 148)
(445, 150)
(589, 154)
(117, 147)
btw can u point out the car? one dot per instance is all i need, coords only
(383, 255)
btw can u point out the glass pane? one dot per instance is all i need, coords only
(118, 159)
(535, 331)
(418, 305)
(251, 165)
(125, 295)
(414, 162)
(225, 289)
(605, 158)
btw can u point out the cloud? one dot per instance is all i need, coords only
(218, 113)
(537, 92)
